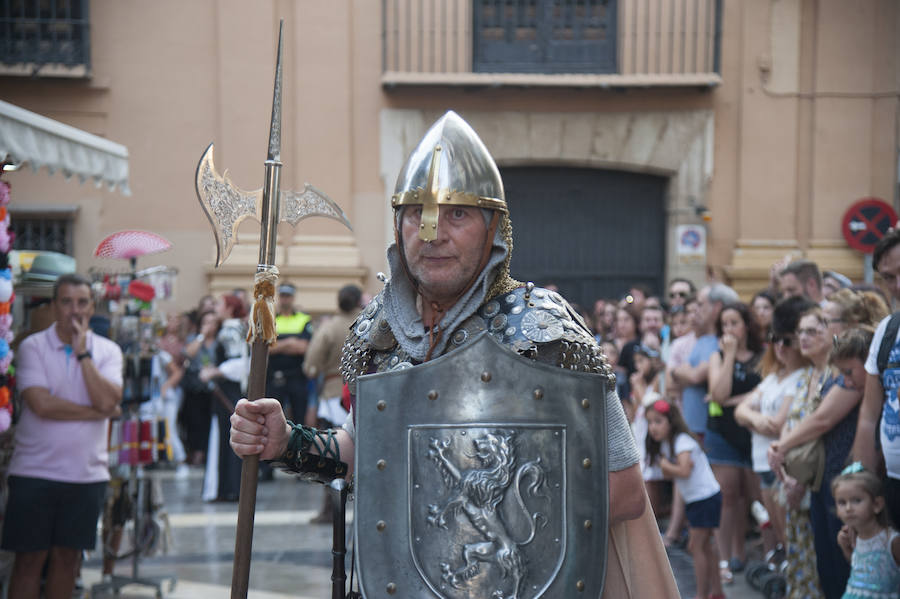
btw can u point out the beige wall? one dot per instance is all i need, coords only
(815, 130)
(803, 124)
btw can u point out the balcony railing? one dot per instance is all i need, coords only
(41, 37)
(551, 42)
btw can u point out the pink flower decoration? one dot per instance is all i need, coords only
(4, 193)
(5, 418)
(5, 240)
(6, 321)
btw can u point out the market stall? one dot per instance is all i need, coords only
(27, 138)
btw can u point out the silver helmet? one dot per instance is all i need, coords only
(450, 166)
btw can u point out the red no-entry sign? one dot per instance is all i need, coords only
(866, 222)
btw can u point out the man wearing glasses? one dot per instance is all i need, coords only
(680, 290)
(880, 399)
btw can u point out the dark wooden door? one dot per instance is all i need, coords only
(592, 232)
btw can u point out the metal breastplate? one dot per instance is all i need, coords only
(532, 321)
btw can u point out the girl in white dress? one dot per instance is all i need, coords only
(672, 447)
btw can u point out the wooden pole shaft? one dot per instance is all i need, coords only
(338, 490)
(243, 542)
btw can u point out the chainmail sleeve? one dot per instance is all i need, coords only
(623, 452)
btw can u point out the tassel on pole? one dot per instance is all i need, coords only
(262, 315)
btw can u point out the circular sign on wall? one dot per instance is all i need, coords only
(866, 222)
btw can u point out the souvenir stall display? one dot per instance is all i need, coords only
(7, 371)
(140, 438)
(28, 138)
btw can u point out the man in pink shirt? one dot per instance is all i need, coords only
(71, 382)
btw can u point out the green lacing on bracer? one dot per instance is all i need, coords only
(324, 465)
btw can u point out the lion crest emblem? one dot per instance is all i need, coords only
(491, 506)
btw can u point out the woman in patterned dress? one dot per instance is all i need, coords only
(801, 574)
(849, 318)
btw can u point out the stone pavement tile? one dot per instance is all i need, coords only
(189, 590)
(291, 557)
(683, 568)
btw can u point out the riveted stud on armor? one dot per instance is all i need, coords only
(588, 525)
(485, 377)
(391, 588)
(460, 337)
(529, 287)
(433, 394)
(539, 393)
(363, 327)
(585, 403)
(380, 525)
(381, 405)
(381, 464)
(586, 463)
(579, 586)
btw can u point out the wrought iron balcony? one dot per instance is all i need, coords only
(608, 43)
(45, 37)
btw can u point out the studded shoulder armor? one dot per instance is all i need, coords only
(368, 334)
(539, 324)
(534, 322)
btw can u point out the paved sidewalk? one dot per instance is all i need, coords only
(291, 557)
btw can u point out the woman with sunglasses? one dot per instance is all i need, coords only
(765, 410)
(732, 374)
(800, 571)
(832, 417)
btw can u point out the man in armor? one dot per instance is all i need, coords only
(449, 283)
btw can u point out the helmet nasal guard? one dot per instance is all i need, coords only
(451, 166)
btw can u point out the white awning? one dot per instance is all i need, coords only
(29, 137)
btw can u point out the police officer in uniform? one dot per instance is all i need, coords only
(285, 379)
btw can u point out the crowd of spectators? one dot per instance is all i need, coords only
(746, 390)
(203, 363)
(720, 393)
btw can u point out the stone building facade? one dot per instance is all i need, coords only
(764, 121)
